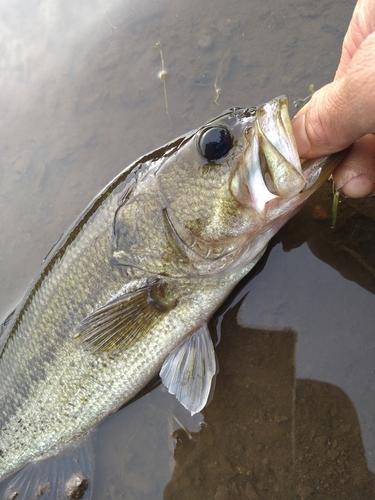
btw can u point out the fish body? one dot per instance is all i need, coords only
(127, 291)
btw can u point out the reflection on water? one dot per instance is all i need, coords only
(268, 435)
(80, 99)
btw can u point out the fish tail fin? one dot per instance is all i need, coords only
(67, 475)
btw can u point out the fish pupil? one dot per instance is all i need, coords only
(215, 142)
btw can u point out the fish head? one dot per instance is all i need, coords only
(234, 182)
(216, 196)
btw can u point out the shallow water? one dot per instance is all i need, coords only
(81, 98)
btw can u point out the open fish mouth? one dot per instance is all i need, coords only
(271, 168)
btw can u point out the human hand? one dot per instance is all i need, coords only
(343, 112)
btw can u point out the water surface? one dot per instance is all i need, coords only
(81, 98)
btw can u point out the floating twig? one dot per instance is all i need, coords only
(183, 427)
(335, 204)
(218, 75)
(163, 76)
(301, 102)
(113, 28)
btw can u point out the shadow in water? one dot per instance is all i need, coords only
(349, 247)
(267, 434)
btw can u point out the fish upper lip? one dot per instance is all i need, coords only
(272, 168)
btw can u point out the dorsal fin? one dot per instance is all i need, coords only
(6, 322)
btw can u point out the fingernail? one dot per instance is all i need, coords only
(358, 187)
(299, 130)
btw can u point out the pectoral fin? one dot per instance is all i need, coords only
(120, 323)
(188, 370)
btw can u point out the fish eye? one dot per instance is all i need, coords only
(215, 142)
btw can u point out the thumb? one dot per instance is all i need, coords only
(342, 111)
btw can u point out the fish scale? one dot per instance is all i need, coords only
(129, 288)
(76, 370)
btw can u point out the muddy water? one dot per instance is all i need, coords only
(80, 98)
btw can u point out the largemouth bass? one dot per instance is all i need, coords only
(127, 291)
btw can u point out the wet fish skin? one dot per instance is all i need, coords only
(162, 246)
